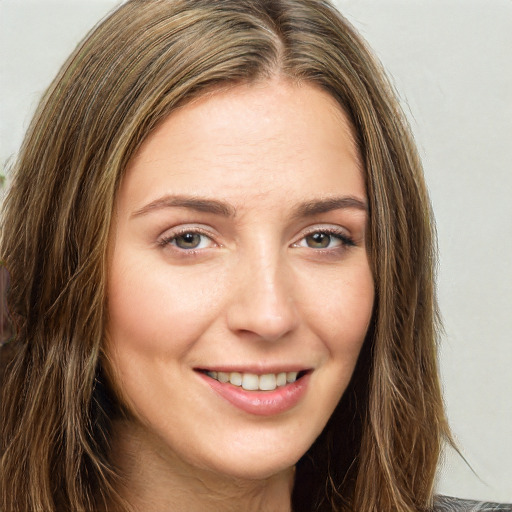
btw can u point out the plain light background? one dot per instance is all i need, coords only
(451, 63)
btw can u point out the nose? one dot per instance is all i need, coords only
(262, 300)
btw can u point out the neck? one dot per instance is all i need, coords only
(155, 480)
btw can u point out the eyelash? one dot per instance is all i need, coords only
(170, 240)
(345, 240)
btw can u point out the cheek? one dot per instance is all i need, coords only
(155, 309)
(347, 314)
(341, 313)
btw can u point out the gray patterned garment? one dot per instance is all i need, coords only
(447, 504)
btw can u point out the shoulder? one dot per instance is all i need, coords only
(448, 504)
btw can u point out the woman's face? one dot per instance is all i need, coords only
(238, 253)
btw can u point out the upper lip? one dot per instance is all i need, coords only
(255, 369)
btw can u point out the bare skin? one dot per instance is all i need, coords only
(238, 250)
(195, 490)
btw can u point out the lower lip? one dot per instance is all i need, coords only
(261, 403)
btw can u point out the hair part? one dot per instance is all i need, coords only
(142, 62)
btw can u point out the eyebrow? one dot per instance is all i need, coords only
(316, 207)
(200, 204)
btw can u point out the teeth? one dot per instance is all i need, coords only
(222, 377)
(235, 378)
(250, 382)
(268, 382)
(291, 376)
(253, 382)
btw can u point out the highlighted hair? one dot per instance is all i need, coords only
(380, 449)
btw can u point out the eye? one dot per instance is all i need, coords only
(325, 239)
(321, 240)
(188, 240)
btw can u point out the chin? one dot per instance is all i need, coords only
(256, 469)
(253, 463)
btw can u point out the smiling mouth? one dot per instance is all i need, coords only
(255, 382)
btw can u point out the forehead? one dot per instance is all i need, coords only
(245, 143)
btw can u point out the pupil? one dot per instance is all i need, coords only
(188, 240)
(319, 240)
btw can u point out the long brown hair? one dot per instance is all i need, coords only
(380, 449)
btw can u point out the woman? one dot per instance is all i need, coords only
(223, 283)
